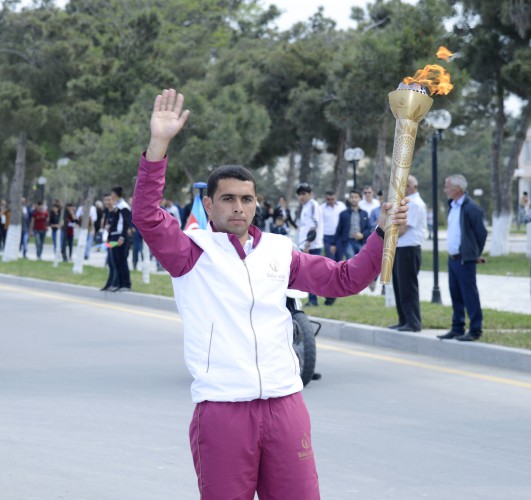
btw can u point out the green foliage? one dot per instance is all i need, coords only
(82, 81)
(515, 264)
(493, 38)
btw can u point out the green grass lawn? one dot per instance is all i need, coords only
(515, 264)
(504, 328)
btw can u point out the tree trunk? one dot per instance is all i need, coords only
(501, 219)
(14, 230)
(379, 177)
(306, 156)
(4, 182)
(496, 151)
(86, 223)
(289, 189)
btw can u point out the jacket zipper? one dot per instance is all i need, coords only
(210, 346)
(252, 328)
(290, 349)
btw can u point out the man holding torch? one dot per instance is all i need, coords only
(251, 429)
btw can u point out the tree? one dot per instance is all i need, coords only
(495, 47)
(392, 40)
(35, 60)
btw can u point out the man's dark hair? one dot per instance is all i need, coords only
(357, 192)
(304, 188)
(118, 191)
(330, 192)
(228, 172)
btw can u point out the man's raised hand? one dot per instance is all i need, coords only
(167, 119)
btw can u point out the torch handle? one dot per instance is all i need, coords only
(404, 145)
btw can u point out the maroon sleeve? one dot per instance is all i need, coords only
(171, 247)
(322, 276)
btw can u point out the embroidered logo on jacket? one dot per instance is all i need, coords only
(273, 272)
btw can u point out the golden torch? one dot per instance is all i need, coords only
(409, 104)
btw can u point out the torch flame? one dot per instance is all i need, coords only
(444, 53)
(434, 77)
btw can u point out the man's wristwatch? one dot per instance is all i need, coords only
(380, 232)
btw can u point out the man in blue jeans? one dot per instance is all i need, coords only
(466, 239)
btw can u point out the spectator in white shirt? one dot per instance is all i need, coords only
(311, 218)
(93, 216)
(331, 209)
(408, 258)
(368, 203)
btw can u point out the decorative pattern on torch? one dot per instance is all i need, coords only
(409, 107)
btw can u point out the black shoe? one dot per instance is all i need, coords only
(450, 335)
(329, 302)
(395, 327)
(104, 289)
(407, 328)
(469, 337)
(316, 376)
(310, 304)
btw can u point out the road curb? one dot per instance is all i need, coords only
(416, 343)
(130, 298)
(425, 344)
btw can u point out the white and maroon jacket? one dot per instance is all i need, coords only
(237, 330)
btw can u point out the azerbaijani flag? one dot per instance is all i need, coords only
(198, 217)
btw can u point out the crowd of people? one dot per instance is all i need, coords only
(250, 431)
(109, 229)
(341, 227)
(340, 230)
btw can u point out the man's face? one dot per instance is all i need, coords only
(304, 197)
(331, 200)
(233, 206)
(368, 193)
(354, 199)
(410, 187)
(107, 201)
(452, 192)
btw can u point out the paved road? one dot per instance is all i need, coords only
(95, 405)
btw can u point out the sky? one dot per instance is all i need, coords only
(299, 10)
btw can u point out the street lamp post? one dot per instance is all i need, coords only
(440, 120)
(41, 181)
(354, 155)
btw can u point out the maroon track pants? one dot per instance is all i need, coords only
(259, 446)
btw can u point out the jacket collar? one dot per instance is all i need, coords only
(253, 231)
